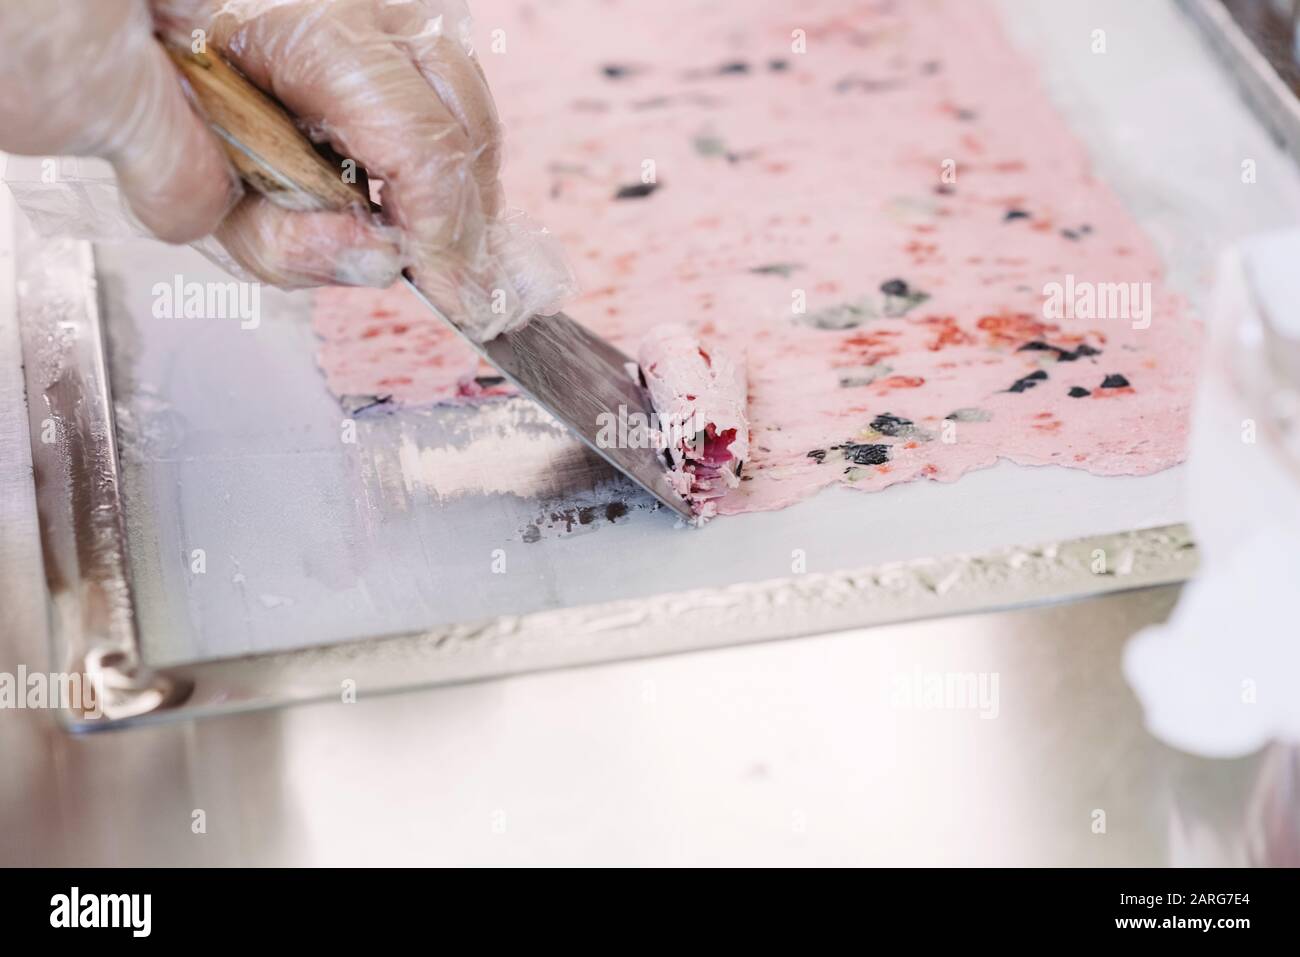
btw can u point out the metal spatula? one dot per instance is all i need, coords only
(569, 371)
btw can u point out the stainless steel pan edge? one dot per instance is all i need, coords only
(1264, 91)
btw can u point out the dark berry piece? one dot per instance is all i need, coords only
(891, 425)
(866, 454)
(1078, 392)
(784, 270)
(636, 191)
(1114, 382)
(1028, 382)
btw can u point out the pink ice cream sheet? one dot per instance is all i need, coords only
(876, 202)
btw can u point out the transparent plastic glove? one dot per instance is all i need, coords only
(88, 78)
(391, 84)
(85, 77)
(394, 86)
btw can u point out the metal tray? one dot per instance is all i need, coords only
(333, 568)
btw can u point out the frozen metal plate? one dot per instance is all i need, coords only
(221, 535)
(261, 516)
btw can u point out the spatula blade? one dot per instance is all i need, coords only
(583, 382)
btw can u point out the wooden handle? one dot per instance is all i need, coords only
(270, 153)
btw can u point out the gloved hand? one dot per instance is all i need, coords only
(85, 77)
(389, 83)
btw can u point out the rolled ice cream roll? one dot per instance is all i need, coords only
(699, 394)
